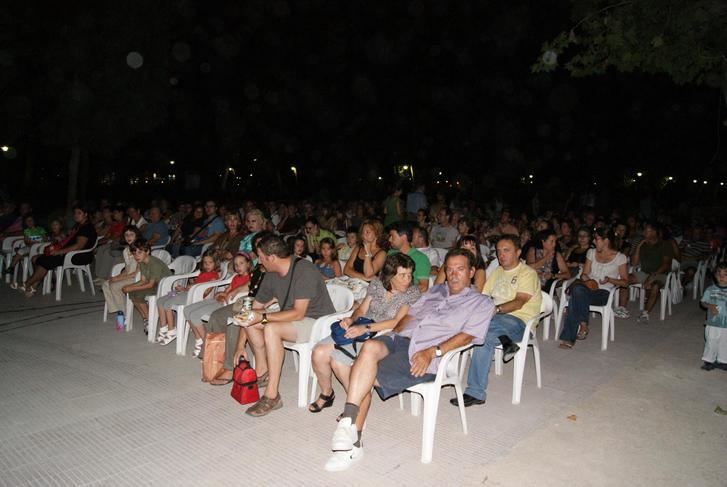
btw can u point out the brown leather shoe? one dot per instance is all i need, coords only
(264, 406)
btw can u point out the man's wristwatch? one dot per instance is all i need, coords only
(498, 310)
(437, 351)
(264, 321)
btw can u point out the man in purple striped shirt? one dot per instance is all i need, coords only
(449, 316)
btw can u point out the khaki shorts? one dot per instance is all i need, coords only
(304, 328)
(642, 276)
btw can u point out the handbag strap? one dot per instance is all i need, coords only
(199, 230)
(290, 283)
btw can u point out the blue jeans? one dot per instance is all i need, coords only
(501, 324)
(581, 298)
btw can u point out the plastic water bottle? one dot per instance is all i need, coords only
(120, 326)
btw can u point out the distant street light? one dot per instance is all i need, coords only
(5, 148)
(171, 163)
(639, 174)
(295, 172)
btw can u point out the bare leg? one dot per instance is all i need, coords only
(198, 330)
(143, 310)
(171, 322)
(653, 295)
(39, 273)
(363, 376)
(162, 317)
(257, 341)
(322, 362)
(274, 336)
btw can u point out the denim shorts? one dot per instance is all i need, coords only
(394, 374)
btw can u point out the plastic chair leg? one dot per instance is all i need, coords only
(303, 376)
(105, 311)
(416, 404)
(153, 319)
(182, 331)
(129, 317)
(87, 269)
(59, 282)
(605, 320)
(546, 328)
(81, 277)
(498, 361)
(536, 357)
(431, 405)
(517, 375)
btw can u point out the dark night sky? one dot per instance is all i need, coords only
(334, 86)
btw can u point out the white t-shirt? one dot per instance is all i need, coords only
(432, 255)
(601, 270)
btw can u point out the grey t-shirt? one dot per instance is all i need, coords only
(307, 284)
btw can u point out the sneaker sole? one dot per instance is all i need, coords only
(340, 467)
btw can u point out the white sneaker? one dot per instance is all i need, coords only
(345, 436)
(169, 337)
(341, 460)
(621, 312)
(644, 318)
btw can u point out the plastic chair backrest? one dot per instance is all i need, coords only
(183, 264)
(341, 297)
(442, 253)
(162, 255)
(491, 267)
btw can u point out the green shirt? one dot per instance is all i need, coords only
(34, 234)
(422, 267)
(154, 270)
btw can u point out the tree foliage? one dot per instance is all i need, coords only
(684, 39)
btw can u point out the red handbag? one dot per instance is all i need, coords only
(244, 383)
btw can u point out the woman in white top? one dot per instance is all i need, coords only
(607, 267)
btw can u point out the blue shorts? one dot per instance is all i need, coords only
(394, 374)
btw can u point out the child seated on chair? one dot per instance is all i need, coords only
(152, 271)
(209, 271)
(240, 284)
(715, 331)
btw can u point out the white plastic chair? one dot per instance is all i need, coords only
(181, 265)
(698, 282)
(69, 266)
(442, 253)
(161, 245)
(665, 301)
(115, 271)
(608, 321)
(529, 339)
(166, 284)
(194, 295)
(162, 255)
(449, 373)
(17, 245)
(556, 293)
(35, 249)
(342, 299)
(205, 247)
(7, 250)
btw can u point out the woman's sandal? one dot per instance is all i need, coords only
(566, 345)
(582, 331)
(29, 291)
(327, 402)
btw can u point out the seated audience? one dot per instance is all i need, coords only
(400, 236)
(209, 271)
(469, 242)
(387, 301)
(81, 237)
(367, 258)
(575, 256)
(112, 287)
(156, 231)
(152, 270)
(607, 267)
(327, 263)
(420, 241)
(447, 317)
(515, 290)
(547, 260)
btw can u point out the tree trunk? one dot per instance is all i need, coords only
(73, 164)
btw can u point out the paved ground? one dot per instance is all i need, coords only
(84, 405)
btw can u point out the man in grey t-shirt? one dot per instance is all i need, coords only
(301, 292)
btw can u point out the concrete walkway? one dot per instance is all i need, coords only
(84, 405)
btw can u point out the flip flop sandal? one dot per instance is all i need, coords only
(566, 345)
(582, 332)
(314, 407)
